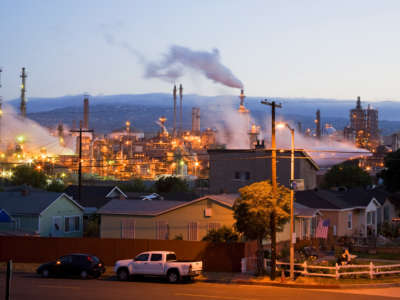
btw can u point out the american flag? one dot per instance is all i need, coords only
(322, 229)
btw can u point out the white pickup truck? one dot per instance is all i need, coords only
(157, 263)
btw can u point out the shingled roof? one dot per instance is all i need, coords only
(92, 195)
(32, 203)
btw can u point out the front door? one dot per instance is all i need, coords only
(155, 266)
(140, 263)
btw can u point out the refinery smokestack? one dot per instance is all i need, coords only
(174, 129)
(196, 121)
(180, 108)
(23, 90)
(86, 112)
(318, 125)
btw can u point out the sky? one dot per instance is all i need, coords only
(287, 48)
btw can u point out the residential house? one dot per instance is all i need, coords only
(154, 219)
(41, 213)
(351, 212)
(232, 169)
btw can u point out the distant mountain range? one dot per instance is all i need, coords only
(110, 112)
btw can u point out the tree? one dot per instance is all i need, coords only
(56, 186)
(391, 173)
(135, 185)
(221, 235)
(346, 174)
(171, 184)
(25, 174)
(259, 214)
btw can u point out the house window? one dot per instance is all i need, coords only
(127, 229)
(237, 175)
(373, 215)
(72, 224)
(369, 217)
(349, 220)
(334, 230)
(213, 226)
(162, 230)
(247, 175)
(386, 213)
(192, 231)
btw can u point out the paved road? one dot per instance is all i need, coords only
(27, 286)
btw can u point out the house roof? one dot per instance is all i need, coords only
(33, 203)
(137, 207)
(304, 211)
(92, 195)
(326, 199)
(157, 207)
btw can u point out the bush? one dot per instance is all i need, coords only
(221, 235)
(171, 184)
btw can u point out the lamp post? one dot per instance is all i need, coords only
(292, 241)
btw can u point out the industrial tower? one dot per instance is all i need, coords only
(318, 124)
(174, 129)
(180, 108)
(23, 90)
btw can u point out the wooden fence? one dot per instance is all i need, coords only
(371, 270)
(217, 257)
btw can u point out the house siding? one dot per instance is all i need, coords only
(62, 207)
(177, 221)
(22, 223)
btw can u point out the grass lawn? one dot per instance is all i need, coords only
(388, 256)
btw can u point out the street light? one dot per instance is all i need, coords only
(279, 126)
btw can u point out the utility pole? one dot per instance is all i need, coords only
(273, 105)
(80, 158)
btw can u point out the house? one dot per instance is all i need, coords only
(41, 213)
(162, 219)
(351, 212)
(232, 169)
(155, 219)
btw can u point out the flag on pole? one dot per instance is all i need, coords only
(322, 229)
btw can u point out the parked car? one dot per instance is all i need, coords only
(157, 263)
(83, 265)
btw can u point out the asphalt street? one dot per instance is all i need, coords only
(30, 286)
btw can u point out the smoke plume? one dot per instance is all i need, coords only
(207, 63)
(179, 58)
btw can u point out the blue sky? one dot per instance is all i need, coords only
(327, 49)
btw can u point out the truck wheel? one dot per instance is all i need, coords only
(173, 276)
(84, 274)
(123, 274)
(45, 273)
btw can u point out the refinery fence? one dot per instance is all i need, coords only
(216, 257)
(248, 265)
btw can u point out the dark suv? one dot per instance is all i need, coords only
(83, 265)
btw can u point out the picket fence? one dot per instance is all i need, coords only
(249, 264)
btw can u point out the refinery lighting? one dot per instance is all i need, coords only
(20, 139)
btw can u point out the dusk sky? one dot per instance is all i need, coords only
(326, 49)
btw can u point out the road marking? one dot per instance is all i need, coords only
(210, 296)
(60, 287)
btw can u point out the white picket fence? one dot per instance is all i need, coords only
(249, 264)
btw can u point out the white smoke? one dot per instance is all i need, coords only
(33, 136)
(177, 60)
(207, 63)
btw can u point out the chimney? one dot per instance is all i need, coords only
(196, 121)
(318, 124)
(86, 112)
(23, 90)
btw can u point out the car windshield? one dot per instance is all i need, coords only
(96, 259)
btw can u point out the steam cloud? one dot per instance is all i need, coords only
(35, 135)
(179, 58)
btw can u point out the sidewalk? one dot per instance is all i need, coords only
(248, 279)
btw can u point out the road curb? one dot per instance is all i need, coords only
(305, 286)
